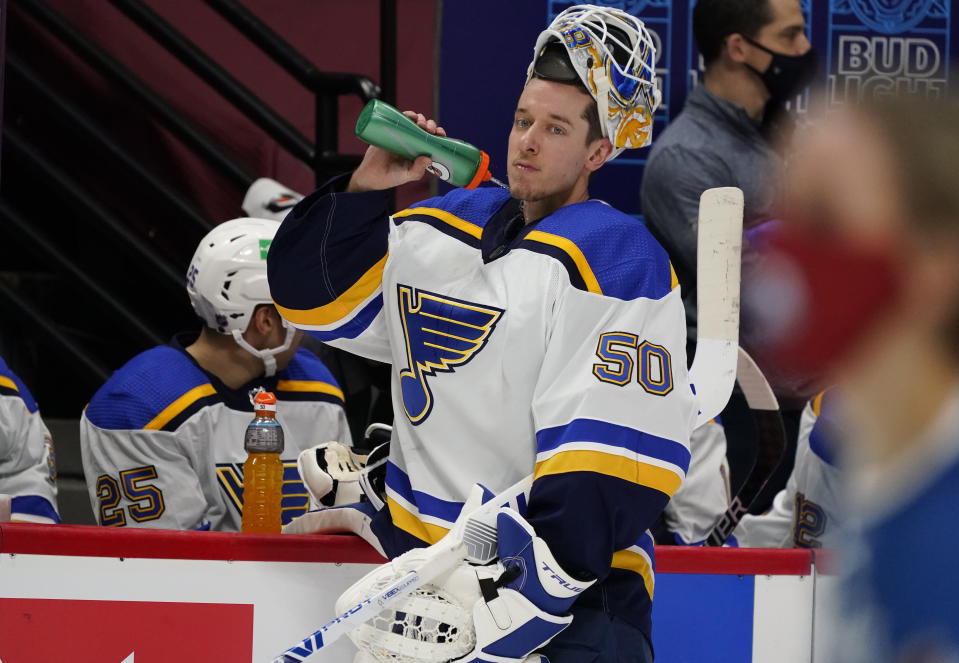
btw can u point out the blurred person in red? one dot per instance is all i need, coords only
(868, 266)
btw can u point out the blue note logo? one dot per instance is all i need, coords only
(891, 16)
(295, 501)
(441, 334)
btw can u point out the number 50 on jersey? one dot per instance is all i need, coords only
(623, 354)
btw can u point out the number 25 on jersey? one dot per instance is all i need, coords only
(623, 353)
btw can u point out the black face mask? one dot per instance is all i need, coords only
(787, 75)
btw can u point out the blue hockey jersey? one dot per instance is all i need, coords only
(162, 439)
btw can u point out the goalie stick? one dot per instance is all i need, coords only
(472, 538)
(772, 444)
(718, 258)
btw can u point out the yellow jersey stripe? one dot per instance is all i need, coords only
(612, 465)
(570, 248)
(8, 383)
(460, 224)
(409, 523)
(817, 402)
(633, 561)
(459, 322)
(224, 474)
(179, 405)
(673, 279)
(310, 385)
(343, 305)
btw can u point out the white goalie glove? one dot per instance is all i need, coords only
(331, 474)
(502, 612)
(346, 489)
(334, 474)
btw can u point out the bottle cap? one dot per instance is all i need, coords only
(265, 401)
(482, 172)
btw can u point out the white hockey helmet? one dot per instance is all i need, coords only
(614, 57)
(227, 280)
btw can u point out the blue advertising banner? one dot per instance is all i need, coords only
(703, 629)
(866, 48)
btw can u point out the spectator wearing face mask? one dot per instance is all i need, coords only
(756, 57)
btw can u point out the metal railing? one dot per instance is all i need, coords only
(83, 125)
(218, 78)
(80, 198)
(322, 155)
(47, 327)
(104, 63)
(95, 290)
(326, 86)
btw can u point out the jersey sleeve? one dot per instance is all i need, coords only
(325, 269)
(145, 445)
(772, 529)
(27, 471)
(704, 496)
(612, 411)
(802, 513)
(147, 478)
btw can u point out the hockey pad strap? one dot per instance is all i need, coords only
(524, 596)
(353, 518)
(330, 473)
(372, 478)
(540, 578)
(377, 434)
(510, 628)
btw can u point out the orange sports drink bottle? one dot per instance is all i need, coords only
(263, 469)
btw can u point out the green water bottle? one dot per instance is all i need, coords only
(454, 161)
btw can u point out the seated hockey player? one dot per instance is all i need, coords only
(27, 471)
(162, 439)
(808, 512)
(530, 331)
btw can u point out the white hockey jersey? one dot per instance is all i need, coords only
(555, 348)
(162, 440)
(806, 513)
(704, 496)
(27, 469)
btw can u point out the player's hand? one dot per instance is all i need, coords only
(381, 169)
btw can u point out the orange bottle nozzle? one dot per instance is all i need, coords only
(482, 172)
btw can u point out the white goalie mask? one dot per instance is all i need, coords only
(227, 280)
(613, 55)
